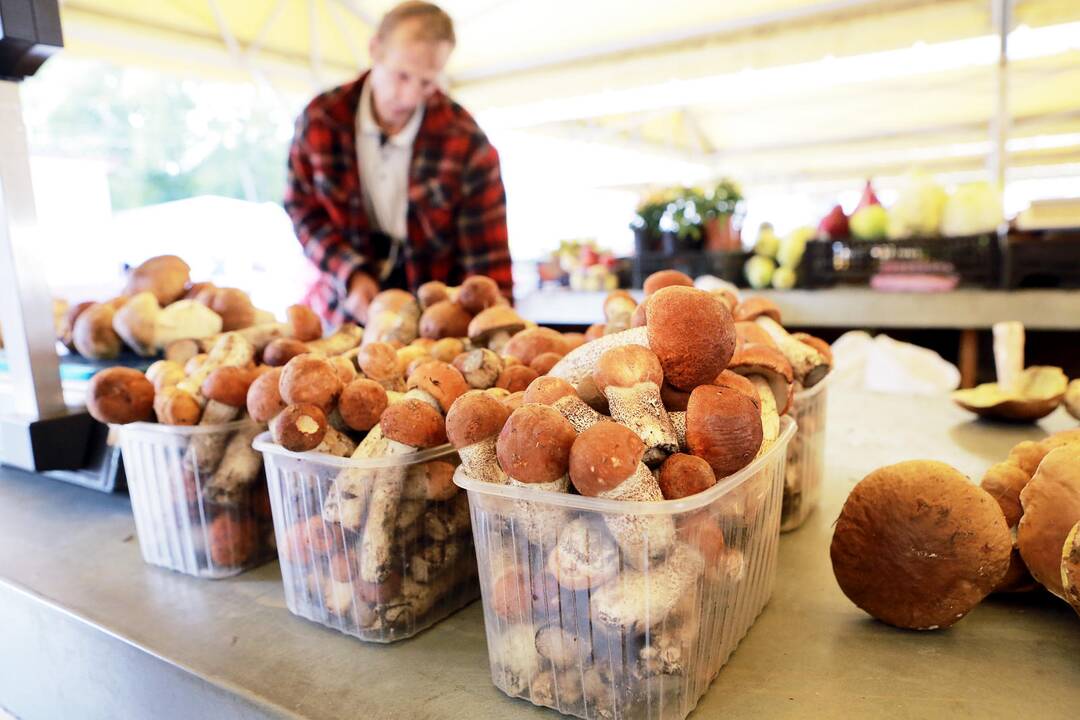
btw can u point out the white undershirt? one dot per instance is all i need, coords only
(384, 167)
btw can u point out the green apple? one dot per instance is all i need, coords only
(784, 278)
(869, 223)
(793, 246)
(767, 243)
(759, 271)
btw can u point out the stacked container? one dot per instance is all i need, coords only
(805, 456)
(379, 548)
(578, 624)
(198, 496)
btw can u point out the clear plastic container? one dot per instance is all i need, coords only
(805, 456)
(378, 577)
(199, 497)
(624, 610)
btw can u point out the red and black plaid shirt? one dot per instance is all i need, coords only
(457, 204)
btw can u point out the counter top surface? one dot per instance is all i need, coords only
(854, 307)
(810, 654)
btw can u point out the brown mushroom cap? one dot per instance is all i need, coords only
(683, 475)
(344, 367)
(414, 423)
(299, 427)
(529, 343)
(534, 444)
(303, 323)
(626, 366)
(478, 293)
(603, 456)
(1051, 503)
(432, 292)
(1070, 567)
(640, 318)
(594, 332)
(392, 301)
(619, 301)
(738, 382)
(264, 396)
(674, 399)
(228, 385)
(769, 363)
(545, 390)
(440, 380)
(917, 545)
(445, 319)
(378, 360)
(824, 348)
(691, 333)
(574, 340)
(281, 350)
(362, 403)
(723, 427)
(165, 275)
(310, 379)
(498, 318)
(543, 362)
(233, 305)
(666, 278)
(446, 349)
(754, 307)
(120, 395)
(749, 332)
(516, 378)
(512, 400)
(473, 417)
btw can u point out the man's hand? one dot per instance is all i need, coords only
(362, 288)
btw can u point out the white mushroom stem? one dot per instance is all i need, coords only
(445, 522)
(377, 540)
(239, 467)
(336, 443)
(497, 340)
(810, 366)
(481, 368)
(539, 521)
(642, 538)
(678, 421)
(770, 416)
(231, 349)
(643, 599)
(577, 412)
(641, 409)
(618, 314)
(578, 365)
(1009, 355)
(346, 338)
(206, 450)
(258, 335)
(481, 461)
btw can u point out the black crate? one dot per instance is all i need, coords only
(1042, 259)
(724, 265)
(974, 259)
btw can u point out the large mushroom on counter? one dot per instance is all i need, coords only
(918, 546)
(1051, 504)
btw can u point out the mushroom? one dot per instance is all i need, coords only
(674, 399)
(339, 342)
(175, 406)
(432, 481)
(185, 320)
(619, 307)
(543, 362)
(310, 379)
(749, 332)
(165, 373)
(432, 292)
(817, 343)
(733, 380)
(478, 293)
(752, 308)
(392, 315)
(584, 556)
(512, 400)
(120, 395)
(473, 424)
(264, 397)
(379, 361)
(438, 383)
(135, 323)
(529, 343)
(345, 369)
(1051, 503)
(918, 546)
(666, 278)
(231, 349)
(577, 366)
(493, 327)
(723, 427)
(448, 348)
(93, 334)
(233, 305)
(362, 403)
(282, 350)
(771, 375)
(1004, 481)
(605, 462)
(225, 390)
(516, 378)
(480, 368)
(1039, 391)
(574, 340)
(644, 598)
(165, 276)
(1072, 398)
(299, 427)
(231, 540)
(691, 333)
(445, 320)
(304, 324)
(595, 332)
(560, 395)
(683, 475)
(809, 365)
(409, 356)
(1070, 567)
(630, 378)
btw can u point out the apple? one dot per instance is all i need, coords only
(759, 271)
(869, 223)
(834, 225)
(783, 278)
(767, 242)
(793, 246)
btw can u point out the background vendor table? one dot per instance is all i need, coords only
(87, 630)
(855, 307)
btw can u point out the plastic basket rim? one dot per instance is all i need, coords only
(777, 454)
(149, 428)
(810, 394)
(266, 446)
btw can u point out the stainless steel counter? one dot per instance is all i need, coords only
(88, 631)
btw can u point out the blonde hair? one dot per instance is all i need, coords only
(433, 24)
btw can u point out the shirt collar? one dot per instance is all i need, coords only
(405, 137)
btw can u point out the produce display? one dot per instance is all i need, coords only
(918, 546)
(775, 261)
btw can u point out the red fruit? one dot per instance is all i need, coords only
(868, 197)
(835, 224)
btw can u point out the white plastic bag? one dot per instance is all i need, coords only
(882, 364)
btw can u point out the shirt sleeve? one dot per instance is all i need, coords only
(321, 239)
(485, 248)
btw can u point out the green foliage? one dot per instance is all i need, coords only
(684, 210)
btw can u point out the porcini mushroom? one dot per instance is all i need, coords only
(480, 367)
(723, 427)
(438, 381)
(918, 546)
(584, 556)
(516, 378)
(478, 293)
(304, 324)
(444, 320)
(577, 366)
(529, 343)
(282, 350)
(1051, 503)
(630, 378)
(771, 375)
(264, 397)
(619, 307)
(666, 278)
(136, 321)
(362, 403)
(473, 424)
(683, 475)
(558, 393)
(166, 276)
(379, 361)
(1070, 567)
(310, 379)
(299, 427)
(432, 292)
(543, 362)
(692, 334)
(120, 395)
(493, 327)
(393, 315)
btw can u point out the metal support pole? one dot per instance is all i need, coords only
(1002, 12)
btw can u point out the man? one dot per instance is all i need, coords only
(391, 183)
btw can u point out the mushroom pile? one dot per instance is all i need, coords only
(659, 411)
(161, 310)
(917, 545)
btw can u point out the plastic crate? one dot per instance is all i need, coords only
(975, 260)
(199, 497)
(576, 623)
(805, 467)
(377, 581)
(724, 265)
(1042, 259)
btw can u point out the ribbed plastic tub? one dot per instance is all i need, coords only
(805, 456)
(379, 575)
(199, 497)
(576, 623)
